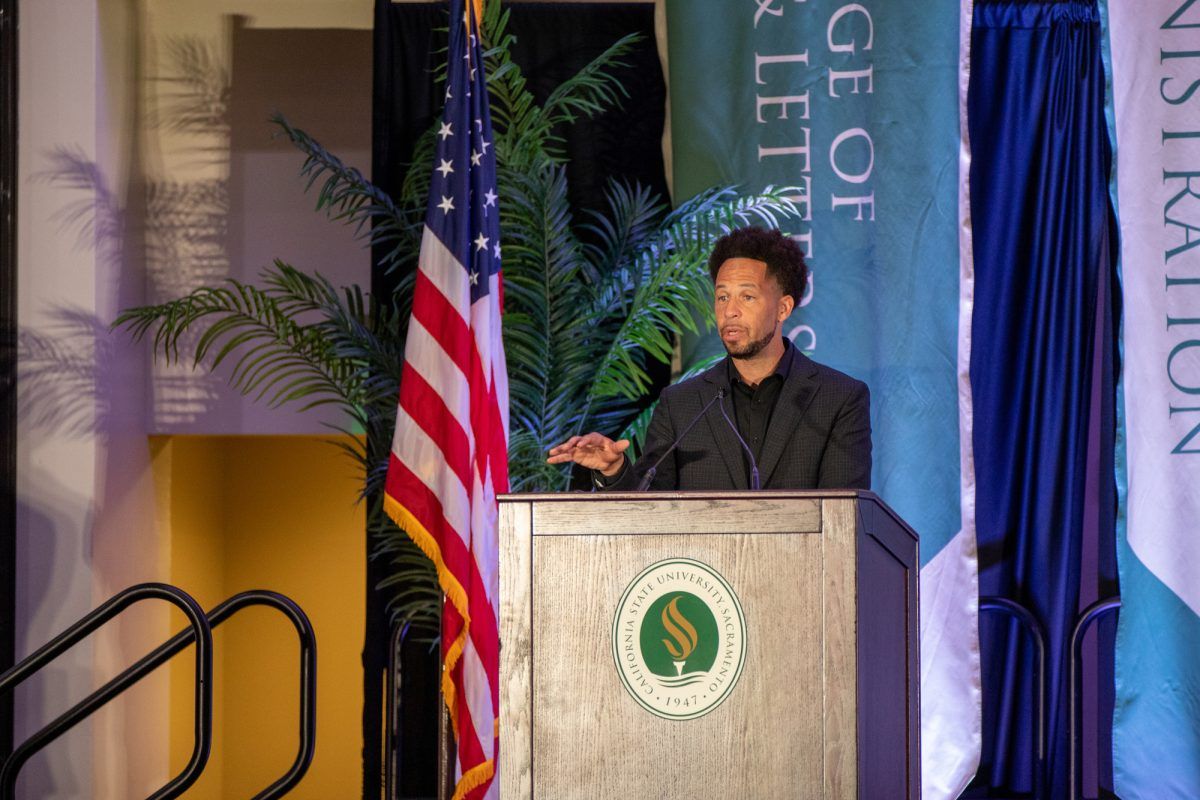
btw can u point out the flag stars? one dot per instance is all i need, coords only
(475, 157)
(446, 168)
(446, 131)
(485, 144)
(447, 204)
(496, 250)
(474, 277)
(481, 242)
(489, 198)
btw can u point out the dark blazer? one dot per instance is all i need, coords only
(819, 436)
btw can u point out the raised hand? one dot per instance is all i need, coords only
(592, 450)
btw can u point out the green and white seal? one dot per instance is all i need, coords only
(679, 638)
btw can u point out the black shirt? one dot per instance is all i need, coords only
(753, 405)
(752, 409)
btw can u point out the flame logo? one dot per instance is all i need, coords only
(682, 631)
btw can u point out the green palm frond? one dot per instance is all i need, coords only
(518, 123)
(594, 89)
(528, 134)
(636, 430)
(345, 195)
(414, 596)
(497, 41)
(346, 352)
(667, 285)
(588, 303)
(548, 342)
(276, 359)
(633, 214)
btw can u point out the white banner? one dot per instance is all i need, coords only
(1156, 71)
(1156, 104)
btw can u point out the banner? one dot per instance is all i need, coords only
(1155, 75)
(858, 104)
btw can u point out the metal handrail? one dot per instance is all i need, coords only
(200, 631)
(308, 679)
(391, 767)
(1085, 621)
(308, 673)
(391, 744)
(1036, 630)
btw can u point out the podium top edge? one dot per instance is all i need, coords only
(732, 494)
(707, 495)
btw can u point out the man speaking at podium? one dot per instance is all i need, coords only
(767, 416)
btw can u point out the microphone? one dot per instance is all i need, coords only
(754, 484)
(644, 484)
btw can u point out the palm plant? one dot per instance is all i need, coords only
(587, 304)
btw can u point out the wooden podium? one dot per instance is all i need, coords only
(708, 645)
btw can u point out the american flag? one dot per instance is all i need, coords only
(450, 450)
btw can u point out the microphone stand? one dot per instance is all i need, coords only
(754, 483)
(644, 484)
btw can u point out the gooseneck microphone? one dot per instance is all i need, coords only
(644, 484)
(754, 484)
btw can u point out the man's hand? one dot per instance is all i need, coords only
(592, 450)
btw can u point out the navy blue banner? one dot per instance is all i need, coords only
(1042, 345)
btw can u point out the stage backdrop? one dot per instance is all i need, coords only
(1155, 77)
(857, 105)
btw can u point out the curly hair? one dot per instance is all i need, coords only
(783, 257)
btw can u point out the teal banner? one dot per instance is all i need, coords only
(856, 105)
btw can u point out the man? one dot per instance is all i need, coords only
(806, 426)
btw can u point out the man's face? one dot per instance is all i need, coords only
(750, 306)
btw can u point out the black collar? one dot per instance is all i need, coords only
(781, 369)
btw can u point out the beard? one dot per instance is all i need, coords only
(751, 348)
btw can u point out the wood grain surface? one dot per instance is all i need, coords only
(840, 521)
(593, 740)
(766, 515)
(789, 728)
(516, 722)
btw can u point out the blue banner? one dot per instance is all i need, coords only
(857, 105)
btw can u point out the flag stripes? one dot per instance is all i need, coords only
(455, 292)
(424, 403)
(449, 456)
(439, 316)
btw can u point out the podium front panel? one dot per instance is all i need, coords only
(602, 595)
(593, 739)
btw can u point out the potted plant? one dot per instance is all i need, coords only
(588, 303)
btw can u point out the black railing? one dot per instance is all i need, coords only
(199, 632)
(308, 674)
(1028, 620)
(1085, 621)
(391, 742)
(393, 746)
(1031, 623)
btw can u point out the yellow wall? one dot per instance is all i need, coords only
(279, 513)
(120, 206)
